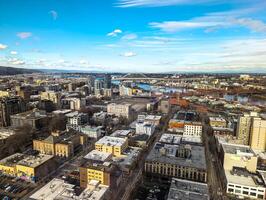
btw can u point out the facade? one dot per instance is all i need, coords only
(218, 122)
(76, 119)
(145, 128)
(258, 134)
(106, 173)
(118, 110)
(52, 96)
(107, 81)
(60, 145)
(244, 127)
(92, 132)
(193, 129)
(243, 184)
(125, 91)
(238, 156)
(10, 106)
(179, 161)
(113, 145)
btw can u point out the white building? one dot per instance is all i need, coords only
(118, 110)
(91, 132)
(145, 128)
(59, 189)
(193, 130)
(76, 119)
(243, 184)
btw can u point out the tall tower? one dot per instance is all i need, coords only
(107, 81)
(258, 134)
(244, 127)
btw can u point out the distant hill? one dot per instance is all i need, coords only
(14, 71)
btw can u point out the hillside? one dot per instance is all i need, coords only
(14, 71)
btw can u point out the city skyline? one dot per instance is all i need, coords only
(134, 35)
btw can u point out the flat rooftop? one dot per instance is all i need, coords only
(243, 177)
(187, 190)
(197, 159)
(34, 161)
(237, 149)
(217, 119)
(97, 155)
(111, 141)
(121, 133)
(32, 114)
(170, 138)
(25, 160)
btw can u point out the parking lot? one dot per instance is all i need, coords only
(13, 188)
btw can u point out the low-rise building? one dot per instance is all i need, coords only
(124, 110)
(104, 172)
(193, 129)
(29, 167)
(113, 145)
(59, 189)
(91, 132)
(37, 119)
(187, 190)
(180, 161)
(145, 128)
(238, 156)
(218, 122)
(62, 144)
(242, 183)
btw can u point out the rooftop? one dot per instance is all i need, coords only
(32, 114)
(121, 133)
(167, 153)
(240, 150)
(25, 160)
(217, 119)
(97, 155)
(241, 176)
(59, 189)
(111, 141)
(187, 190)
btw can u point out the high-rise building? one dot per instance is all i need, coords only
(244, 127)
(258, 134)
(98, 84)
(107, 81)
(91, 80)
(10, 106)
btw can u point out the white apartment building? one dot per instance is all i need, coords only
(145, 128)
(244, 184)
(91, 132)
(193, 129)
(118, 110)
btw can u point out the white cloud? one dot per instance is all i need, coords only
(24, 35)
(84, 62)
(54, 14)
(254, 25)
(173, 26)
(130, 36)
(114, 33)
(13, 52)
(158, 3)
(3, 46)
(61, 61)
(16, 61)
(129, 54)
(213, 21)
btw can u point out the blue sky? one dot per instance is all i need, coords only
(134, 35)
